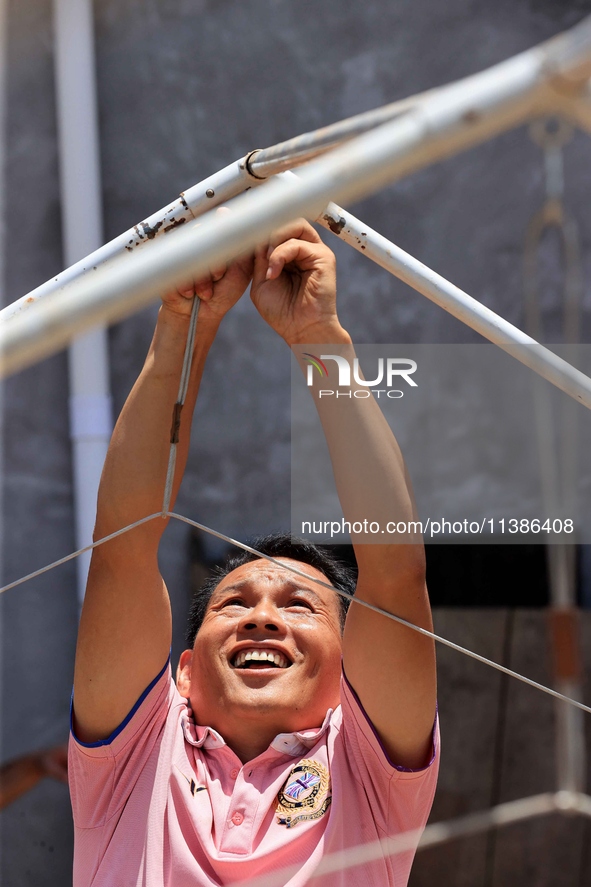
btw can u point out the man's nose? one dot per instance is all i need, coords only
(264, 616)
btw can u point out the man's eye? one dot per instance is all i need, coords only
(234, 602)
(299, 602)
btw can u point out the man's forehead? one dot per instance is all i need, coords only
(266, 571)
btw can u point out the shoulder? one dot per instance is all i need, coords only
(154, 704)
(103, 774)
(366, 780)
(363, 742)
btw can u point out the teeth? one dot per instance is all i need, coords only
(260, 656)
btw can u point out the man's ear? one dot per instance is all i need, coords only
(183, 673)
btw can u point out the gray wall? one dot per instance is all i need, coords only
(186, 86)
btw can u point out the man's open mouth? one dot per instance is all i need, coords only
(260, 659)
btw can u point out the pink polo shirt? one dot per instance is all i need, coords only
(166, 803)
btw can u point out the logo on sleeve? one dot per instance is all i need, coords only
(305, 794)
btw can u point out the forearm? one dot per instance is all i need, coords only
(370, 474)
(125, 626)
(132, 484)
(391, 667)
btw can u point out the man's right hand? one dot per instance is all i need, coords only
(218, 291)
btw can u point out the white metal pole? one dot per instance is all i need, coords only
(556, 62)
(198, 199)
(565, 92)
(80, 185)
(3, 103)
(488, 103)
(445, 294)
(424, 280)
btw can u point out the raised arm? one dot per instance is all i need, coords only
(391, 668)
(125, 627)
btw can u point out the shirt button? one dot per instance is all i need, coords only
(234, 773)
(237, 818)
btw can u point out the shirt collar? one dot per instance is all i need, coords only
(286, 743)
(302, 741)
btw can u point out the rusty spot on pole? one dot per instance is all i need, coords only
(471, 116)
(335, 225)
(564, 636)
(174, 224)
(150, 231)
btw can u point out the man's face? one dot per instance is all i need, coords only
(268, 651)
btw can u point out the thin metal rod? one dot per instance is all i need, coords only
(475, 109)
(180, 402)
(557, 446)
(458, 303)
(205, 195)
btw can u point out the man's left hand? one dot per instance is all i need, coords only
(294, 285)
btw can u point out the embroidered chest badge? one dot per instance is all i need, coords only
(305, 794)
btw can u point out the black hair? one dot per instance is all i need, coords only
(339, 574)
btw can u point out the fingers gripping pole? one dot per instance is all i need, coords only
(177, 409)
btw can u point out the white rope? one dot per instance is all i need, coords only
(70, 557)
(350, 597)
(388, 615)
(176, 415)
(436, 833)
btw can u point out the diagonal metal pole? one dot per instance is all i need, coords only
(557, 441)
(468, 113)
(454, 300)
(565, 92)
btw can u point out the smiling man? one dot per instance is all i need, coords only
(290, 733)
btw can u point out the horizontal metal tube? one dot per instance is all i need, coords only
(479, 107)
